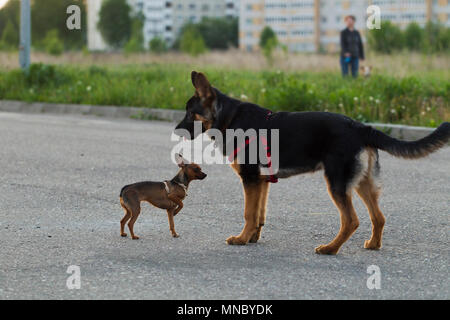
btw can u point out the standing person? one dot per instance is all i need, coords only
(352, 49)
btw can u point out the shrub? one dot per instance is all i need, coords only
(413, 36)
(136, 42)
(387, 39)
(157, 45)
(437, 38)
(192, 41)
(41, 74)
(52, 44)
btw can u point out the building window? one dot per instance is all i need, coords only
(168, 4)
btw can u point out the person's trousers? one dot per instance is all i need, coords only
(353, 64)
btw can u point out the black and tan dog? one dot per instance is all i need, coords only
(168, 195)
(345, 149)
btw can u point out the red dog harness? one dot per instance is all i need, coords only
(271, 178)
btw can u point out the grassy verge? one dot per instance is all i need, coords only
(421, 99)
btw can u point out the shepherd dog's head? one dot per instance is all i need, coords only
(200, 107)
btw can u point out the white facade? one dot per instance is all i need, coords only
(163, 18)
(315, 25)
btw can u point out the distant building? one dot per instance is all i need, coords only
(314, 25)
(163, 18)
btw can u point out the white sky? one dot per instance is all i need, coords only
(2, 2)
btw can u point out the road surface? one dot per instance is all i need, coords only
(59, 186)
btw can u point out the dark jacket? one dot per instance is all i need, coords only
(351, 42)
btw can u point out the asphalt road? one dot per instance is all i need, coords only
(59, 185)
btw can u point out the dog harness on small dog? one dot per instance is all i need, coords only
(272, 178)
(166, 186)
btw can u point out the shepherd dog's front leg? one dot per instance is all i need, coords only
(252, 194)
(262, 212)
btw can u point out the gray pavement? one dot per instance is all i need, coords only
(59, 185)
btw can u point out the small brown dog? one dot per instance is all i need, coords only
(166, 195)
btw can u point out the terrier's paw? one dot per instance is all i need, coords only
(325, 249)
(236, 241)
(175, 235)
(135, 237)
(123, 234)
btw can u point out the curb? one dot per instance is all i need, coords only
(397, 131)
(102, 111)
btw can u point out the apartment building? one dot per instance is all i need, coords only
(163, 18)
(314, 25)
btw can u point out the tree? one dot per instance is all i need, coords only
(115, 22)
(387, 39)
(219, 33)
(10, 36)
(192, 41)
(266, 35)
(436, 37)
(268, 43)
(48, 15)
(413, 36)
(157, 45)
(10, 12)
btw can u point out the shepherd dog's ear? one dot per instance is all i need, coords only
(202, 85)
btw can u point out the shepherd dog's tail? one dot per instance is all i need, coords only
(408, 149)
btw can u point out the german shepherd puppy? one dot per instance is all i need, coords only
(346, 150)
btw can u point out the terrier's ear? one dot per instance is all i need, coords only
(181, 162)
(202, 85)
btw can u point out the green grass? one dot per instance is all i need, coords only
(421, 99)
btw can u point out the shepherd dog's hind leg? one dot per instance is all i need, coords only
(369, 193)
(340, 193)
